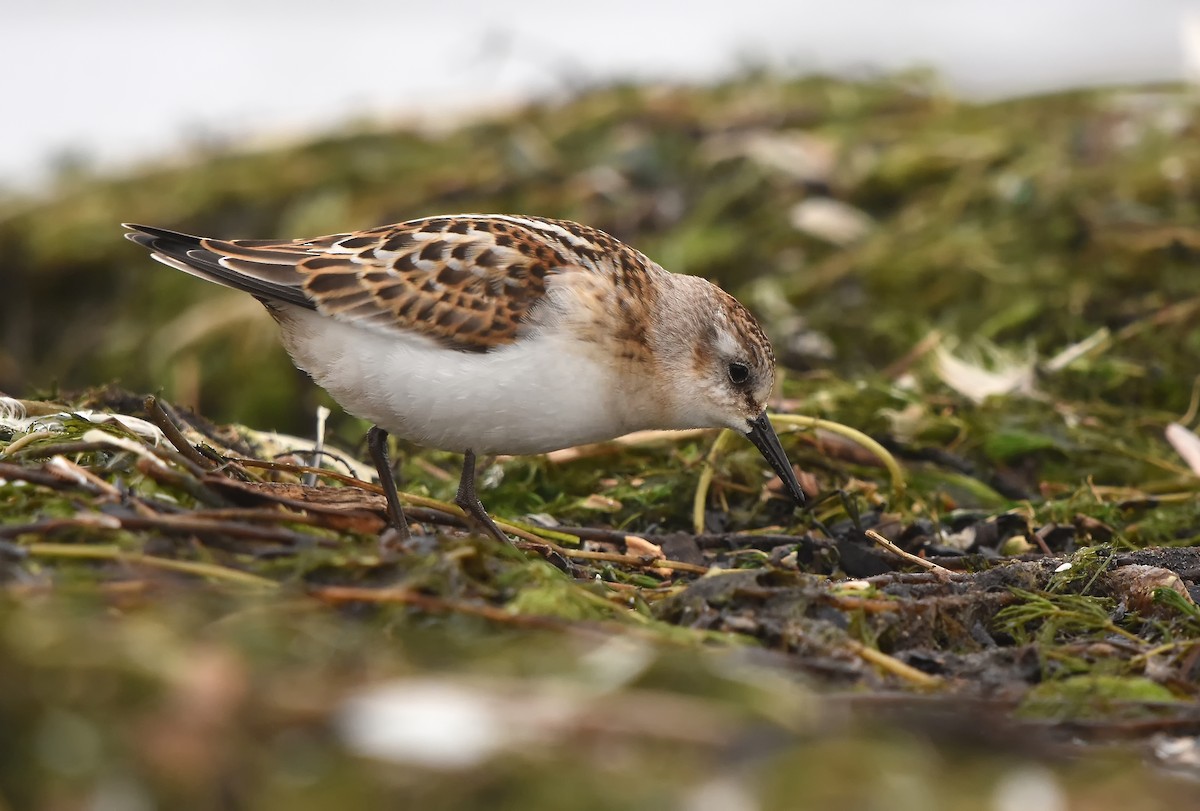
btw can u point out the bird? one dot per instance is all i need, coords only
(498, 334)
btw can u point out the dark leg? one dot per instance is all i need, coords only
(470, 502)
(377, 444)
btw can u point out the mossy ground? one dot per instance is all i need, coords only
(177, 632)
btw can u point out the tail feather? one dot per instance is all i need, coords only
(189, 254)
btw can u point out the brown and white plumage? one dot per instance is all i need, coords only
(468, 281)
(499, 334)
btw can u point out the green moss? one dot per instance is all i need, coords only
(1096, 696)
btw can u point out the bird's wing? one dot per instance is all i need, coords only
(466, 281)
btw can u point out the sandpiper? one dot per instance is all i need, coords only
(497, 334)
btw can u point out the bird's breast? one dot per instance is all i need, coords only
(544, 392)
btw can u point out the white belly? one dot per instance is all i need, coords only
(537, 395)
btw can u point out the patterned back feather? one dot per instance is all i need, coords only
(468, 281)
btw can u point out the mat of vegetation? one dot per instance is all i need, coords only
(987, 316)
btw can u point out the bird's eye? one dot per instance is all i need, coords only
(739, 373)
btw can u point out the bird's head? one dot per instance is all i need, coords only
(720, 369)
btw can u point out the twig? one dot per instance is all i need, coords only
(641, 561)
(601, 534)
(57, 449)
(171, 431)
(911, 558)
(18, 444)
(1039, 538)
(191, 524)
(867, 605)
(288, 467)
(893, 665)
(194, 487)
(48, 526)
(264, 514)
(38, 476)
(919, 578)
(65, 469)
(76, 447)
(616, 536)
(427, 602)
(115, 554)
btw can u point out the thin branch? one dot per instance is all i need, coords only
(910, 557)
(892, 665)
(640, 561)
(427, 602)
(117, 555)
(171, 431)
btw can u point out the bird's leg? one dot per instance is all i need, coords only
(470, 502)
(377, 444)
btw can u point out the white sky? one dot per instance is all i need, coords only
(124, 79)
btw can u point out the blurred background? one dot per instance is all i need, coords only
(117, 84)
(692, 130)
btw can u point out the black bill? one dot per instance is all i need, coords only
(764, 438)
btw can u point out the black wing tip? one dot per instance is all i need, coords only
(188, 253)
(158, 233)
(137, 233)
(161, 240)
